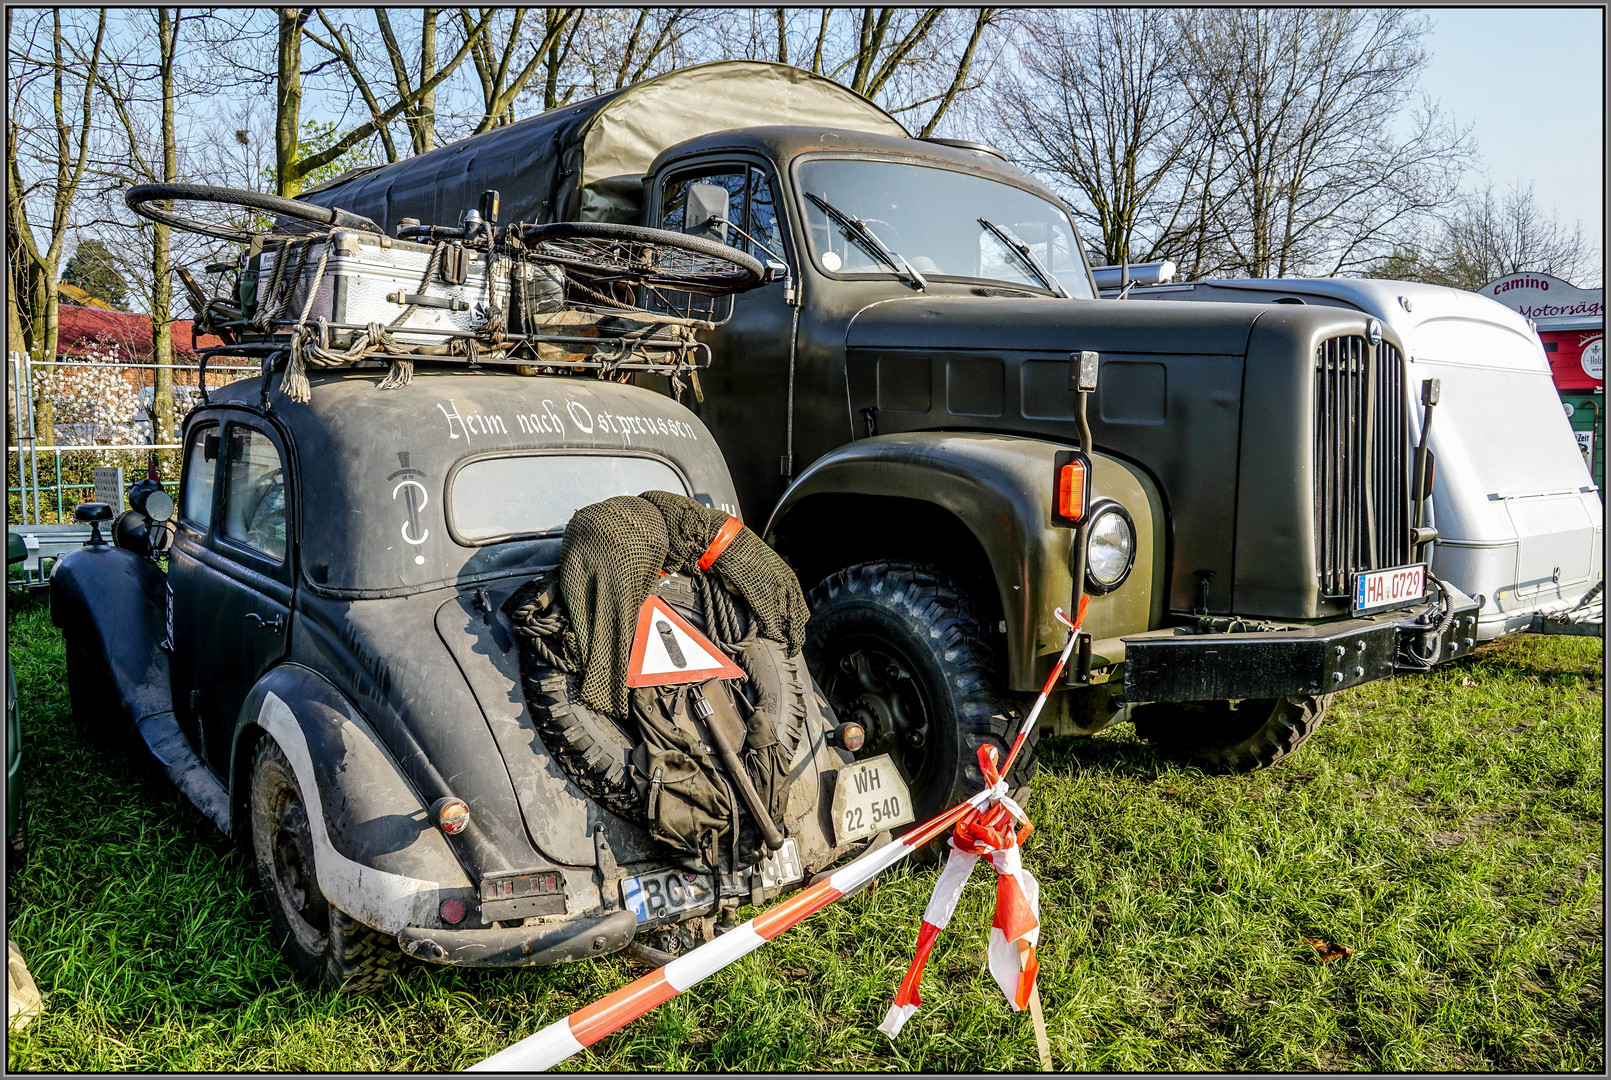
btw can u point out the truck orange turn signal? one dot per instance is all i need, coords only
(451, 815)
(1071, 490)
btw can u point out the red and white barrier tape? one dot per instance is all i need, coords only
(566, 1037)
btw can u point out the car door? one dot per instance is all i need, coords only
(233, 589)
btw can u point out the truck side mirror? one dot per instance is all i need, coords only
(1082, 371)
(706, 211)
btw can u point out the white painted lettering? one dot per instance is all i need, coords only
(580, 417)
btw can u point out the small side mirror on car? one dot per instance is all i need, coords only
(209, 447)
(706, 211)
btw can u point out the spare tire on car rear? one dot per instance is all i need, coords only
(604, 756)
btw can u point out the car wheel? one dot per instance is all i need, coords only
(322, 942)
(900, 649)
(1216, 737)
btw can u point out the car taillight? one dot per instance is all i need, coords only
(451, 815)
(1071, 490)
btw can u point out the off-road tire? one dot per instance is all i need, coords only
(1216, 738)
(321, 942)
(931, 621)
(592, 748)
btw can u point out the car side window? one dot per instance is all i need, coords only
(750, 205)
(254, 492)
(196, 505)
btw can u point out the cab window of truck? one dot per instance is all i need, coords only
(931, 217)
(751, 205)
(254, 493)
(196, 505)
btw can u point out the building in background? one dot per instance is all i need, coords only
(1571, 324)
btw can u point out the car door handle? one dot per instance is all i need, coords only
(275, 624)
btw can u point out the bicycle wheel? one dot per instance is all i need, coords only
(653, 257)
(140, 197)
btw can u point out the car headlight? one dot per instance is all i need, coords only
(1110, 549)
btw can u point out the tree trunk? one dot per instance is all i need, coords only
(288, 100)
(161, 253)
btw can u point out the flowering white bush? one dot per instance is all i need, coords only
(94, 405)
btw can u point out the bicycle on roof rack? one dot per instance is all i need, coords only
(317, 286)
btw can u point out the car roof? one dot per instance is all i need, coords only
(355, 444)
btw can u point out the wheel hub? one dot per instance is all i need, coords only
(294, 867)
(877, 691)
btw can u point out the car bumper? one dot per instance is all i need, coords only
(521, 946)
(1294, 661)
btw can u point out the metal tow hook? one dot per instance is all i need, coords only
(276, 624)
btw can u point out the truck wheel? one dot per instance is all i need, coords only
(1217, 738)
(899, 649)
(321, 941)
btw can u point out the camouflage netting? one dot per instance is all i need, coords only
(611, 557)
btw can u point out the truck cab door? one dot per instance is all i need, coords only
(752, 348)
(230, 575)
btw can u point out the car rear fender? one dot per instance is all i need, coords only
(378, 856)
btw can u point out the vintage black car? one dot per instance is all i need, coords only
(326, 669)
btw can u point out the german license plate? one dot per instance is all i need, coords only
(663, 893)
(869, 797)
(1376, 590)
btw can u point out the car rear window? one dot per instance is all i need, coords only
(530, 494)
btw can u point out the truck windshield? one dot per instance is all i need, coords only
(932, 217)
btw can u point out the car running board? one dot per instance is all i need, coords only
(169, 746)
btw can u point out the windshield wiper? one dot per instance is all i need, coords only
(1027, 257)
(869, 241)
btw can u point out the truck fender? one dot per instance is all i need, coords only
(990, 496)
(377, 855)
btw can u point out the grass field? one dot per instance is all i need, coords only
(1448, 829)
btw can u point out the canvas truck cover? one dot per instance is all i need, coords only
(586, 161)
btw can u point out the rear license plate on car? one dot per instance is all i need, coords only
(664, 893)
(1380, 589)
(869, 797)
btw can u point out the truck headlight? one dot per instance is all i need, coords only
(1110, 549)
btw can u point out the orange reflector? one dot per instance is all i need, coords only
(1071, 490)
(452, 815)
(852, 736)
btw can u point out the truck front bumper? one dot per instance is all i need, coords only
(1294, 661)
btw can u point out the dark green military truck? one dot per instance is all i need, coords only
(901, 407)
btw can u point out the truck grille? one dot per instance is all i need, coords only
(1362, 507)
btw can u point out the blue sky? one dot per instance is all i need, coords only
(1531, 81)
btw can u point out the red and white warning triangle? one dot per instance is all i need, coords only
(666, 650)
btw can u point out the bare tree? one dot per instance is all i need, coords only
(48, 141)
(1314, 178)
(1096, 107)
(292, 165)
(919, 61)
(1489, 236)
